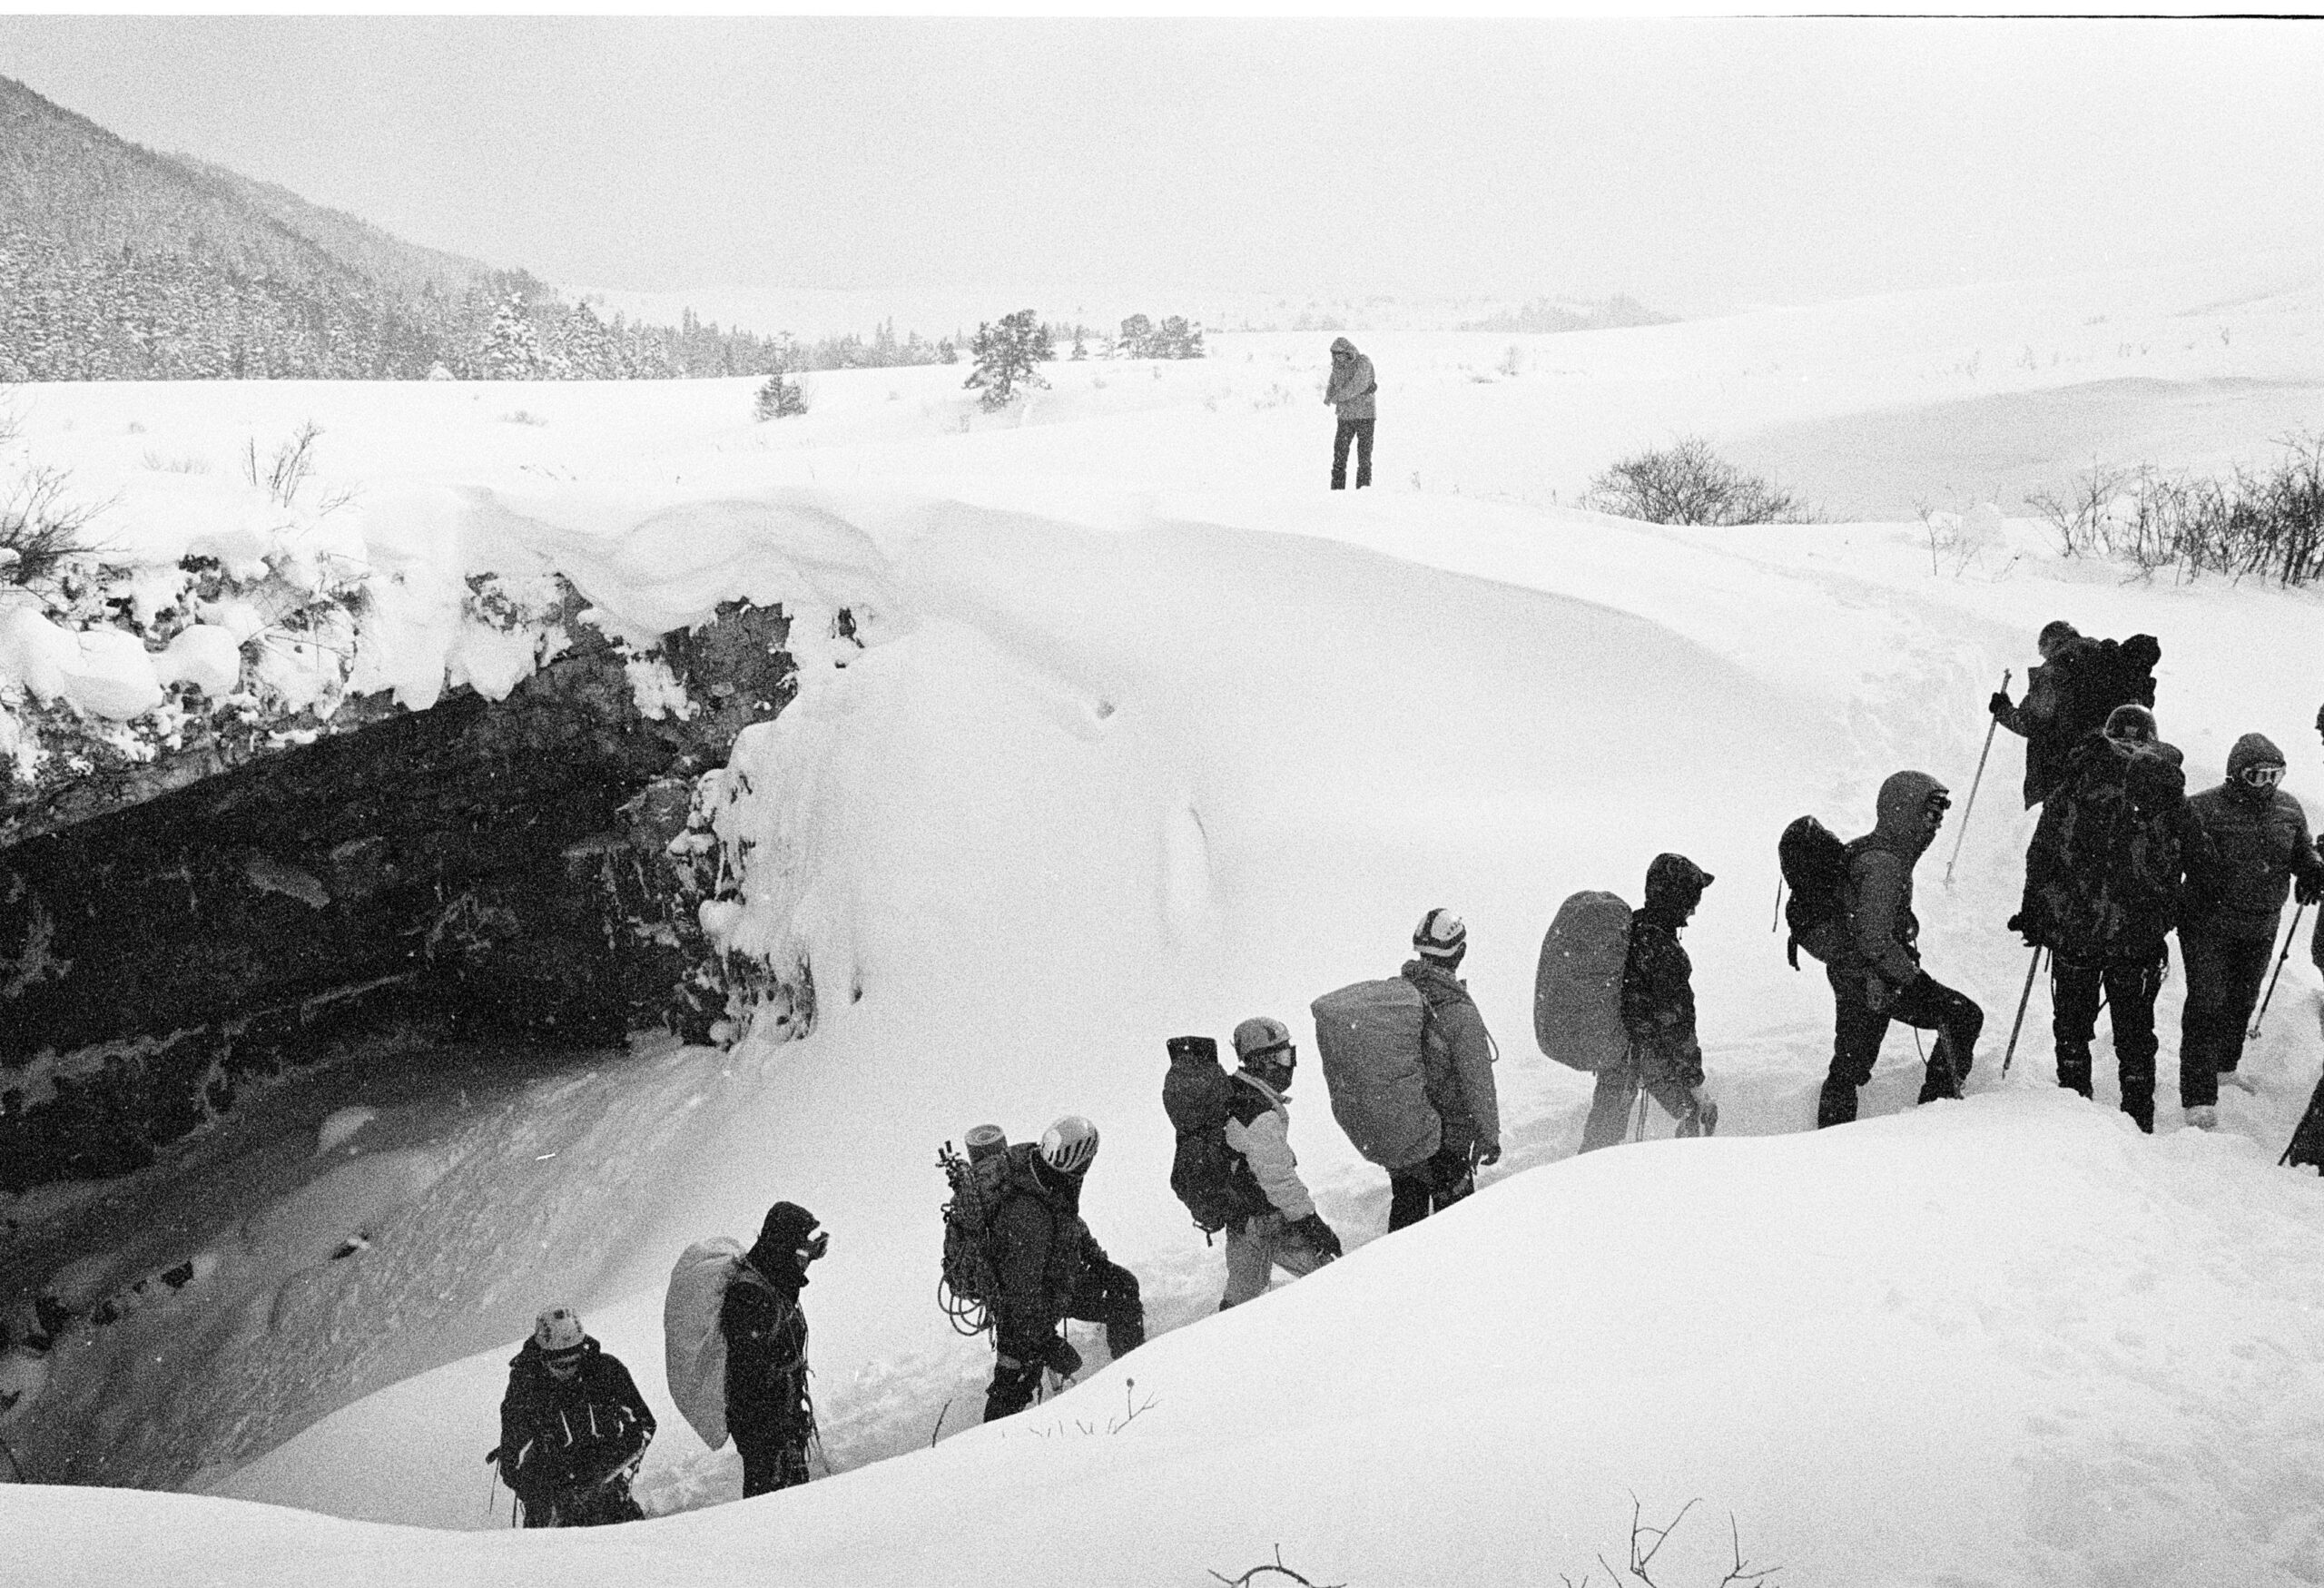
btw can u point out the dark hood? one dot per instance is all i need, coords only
(1904, 799)
(785, 1229)
(1674, 885)
(1341, 345)
(2251, 750)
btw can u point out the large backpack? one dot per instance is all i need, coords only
(2116, 851)
(1196, 1094)
(694, 1347)
(968, 1289)
(2099, 675)
(1369, 1036)
(1578, 983)
(1815, 865)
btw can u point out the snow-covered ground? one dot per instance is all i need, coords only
(1151, 733)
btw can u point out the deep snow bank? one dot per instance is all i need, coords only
(2005, 1341)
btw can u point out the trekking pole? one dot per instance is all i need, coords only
(2017, 1024)
(1777, 924)
(1971, 805)
(2290, 938)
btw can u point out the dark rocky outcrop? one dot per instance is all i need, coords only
(481, 868)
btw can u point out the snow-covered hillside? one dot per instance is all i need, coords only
(1149, 733)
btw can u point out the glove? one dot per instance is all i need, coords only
(1488, 1154)
(2027, 925)
(1317, 1234)
(2000, 706)
(1059, 1356)
(1702, 1117)
(2308, 889)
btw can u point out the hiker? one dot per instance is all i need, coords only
(1283, 1230)
(1049, 1267)
(1350, 392)
(768, 1410)
(2104, 878)
(1664, 1058)
(2079, 681)
(1876, 976)
(2256, 848)
(1457, 1056)
(573, 1428)
(2316, 946)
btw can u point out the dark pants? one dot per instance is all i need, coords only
(1360, 432)
(596, 1505)
(2129, 991)
(1428, 1186)
(1857, 1030)
(771, 1463)
(1107, 1295)
(2224, 979)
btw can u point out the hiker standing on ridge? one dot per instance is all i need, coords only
(1284, 1231)
(768, 1410)
(1349, 392)
(1456, 1065)
(1877, 977)
(2103, 883)
(1049, 1267)
(1665, 1059)
(2257, 848)
(573, 1428)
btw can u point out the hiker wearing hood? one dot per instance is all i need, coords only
(573, 1428)
(1349, 392)
(1665, 1059)
(2068, 696)
(1878, 977)
(768, 1409)
(2256, 850)
(2103, 880)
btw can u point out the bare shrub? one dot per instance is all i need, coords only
(39, 528)
(1687, 483)
(184, 464)
(292, 464)
(2263, 522)
(1646, 1542)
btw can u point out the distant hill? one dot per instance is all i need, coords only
(1544, 314)
(119, 264)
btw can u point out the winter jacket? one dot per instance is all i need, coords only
(1259, 1128)
(767, 1358)
(1658, 985)
(2040, 720)
(2105, 872)
(1456, 1061)
(559, 1436)
(1352, 385)
(1041, 1252)
(1881, 928)
(2258, 842)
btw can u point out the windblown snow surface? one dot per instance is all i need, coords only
(1148, 733)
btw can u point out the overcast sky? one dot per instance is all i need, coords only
(1697, 165)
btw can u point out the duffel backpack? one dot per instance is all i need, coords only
(1578, 983)
(1370, 1036)
(694, 1347)
(1194, 1094)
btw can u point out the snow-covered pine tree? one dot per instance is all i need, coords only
(512, 349)
(1005, 356)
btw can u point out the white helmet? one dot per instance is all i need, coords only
(1068, 1145)
(557, 1329)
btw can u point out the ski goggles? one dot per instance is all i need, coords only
(2261, 776)
(816, 1245)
